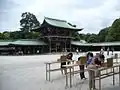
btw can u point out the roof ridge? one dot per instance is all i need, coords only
(25, 39)
(55, 19)
(6, 40)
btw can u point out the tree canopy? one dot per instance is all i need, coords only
(114, 31)
(102, 34)
(28, 21)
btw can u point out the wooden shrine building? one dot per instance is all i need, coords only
(57, 34)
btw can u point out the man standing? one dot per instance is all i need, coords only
(112, 49)
(108, 51)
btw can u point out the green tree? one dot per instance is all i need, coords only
(1, 36)
(82, 36)
(102, 34)
(75, 36)
(114, 31)
(17, 35)
(87, 36)
(28, 22)
(93, 38)
(6, 35)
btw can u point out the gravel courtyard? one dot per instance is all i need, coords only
(28, 73)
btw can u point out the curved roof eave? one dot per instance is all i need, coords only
(60, 24)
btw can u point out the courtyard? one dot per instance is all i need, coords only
(28, 73)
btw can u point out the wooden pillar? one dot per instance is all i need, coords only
(50, 45)
(42, 49)
(56, 47)
(65, 46)
(34, 50)
(70, 34)
(70, 45)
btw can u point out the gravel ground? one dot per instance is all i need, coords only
(28, 73)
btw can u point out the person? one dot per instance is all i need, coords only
(92, 63)
(82, 75)
(102, 51)
(69, 57)
(102, 58)
(112, 50)
(77, 50)
(108, 51)
(89, 58)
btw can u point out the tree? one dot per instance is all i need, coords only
(16, 35)
(1, 36)
(28, 22)
(87, 36)
(75, 36)
(114, 31)
(102, 34)
(6, 35)
(93, 38)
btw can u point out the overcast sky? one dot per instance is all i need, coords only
(92, 15)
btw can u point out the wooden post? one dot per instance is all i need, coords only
(70, 34)
(70, 46)
(46, 72)
(113, 77)
(119, 75)
(65, 46)
(56, 47)
(99, 80)
(49, 71)
(70, 78)
(50, 45)
(90, 79)
(66, 79)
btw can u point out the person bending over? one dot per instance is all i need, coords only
(68, 57)
(82, 75)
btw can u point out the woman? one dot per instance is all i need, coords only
(68, 57)
(82, 75)
(89, 58)
(93, 63)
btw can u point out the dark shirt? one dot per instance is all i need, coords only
(97, 61)
(102, 57)
(64, 63)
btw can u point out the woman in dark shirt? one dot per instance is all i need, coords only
(69, 56)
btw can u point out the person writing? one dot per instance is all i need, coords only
(82, 75)
(68, 57)
(93, 63)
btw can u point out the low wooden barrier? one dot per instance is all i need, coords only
(109, 65)
(105, 75)
(48, 66)
(82, 61)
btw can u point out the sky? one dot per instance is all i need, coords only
(92, 15)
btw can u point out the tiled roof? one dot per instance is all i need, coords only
(60, 23)
(78, 43)
(22, 42)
